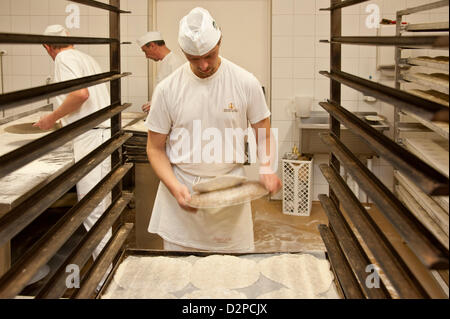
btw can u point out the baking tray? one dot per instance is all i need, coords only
(334, 290)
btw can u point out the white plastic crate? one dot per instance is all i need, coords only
(297, 187)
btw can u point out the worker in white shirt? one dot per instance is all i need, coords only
(154, 47)
(71, 64)
(214, 93)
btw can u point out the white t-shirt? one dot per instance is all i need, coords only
(167, 65)
(72, 64)
(200, 116)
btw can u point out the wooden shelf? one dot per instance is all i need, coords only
(433, 209)
(427, 27)
(437, 63)
(440, 128)
(435, 81)
(433, 152)
(421, 215)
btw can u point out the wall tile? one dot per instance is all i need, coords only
(5, 23)
(283, 25)
(20, 7)
(304, 7)
(282, 89)
(304, 68)
(282, 68)
(304, 47)
(304, 25)
(303, 87)
(282, 7)
(39, 8)
(5, 7)
(282, 47)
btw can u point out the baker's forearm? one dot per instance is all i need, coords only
(71, 103)
(162, 167)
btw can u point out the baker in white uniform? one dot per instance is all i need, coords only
(154, 47)
(213, 93)
(71, 64)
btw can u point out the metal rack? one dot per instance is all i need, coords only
(430, 75)
(438, 85)
(34, 204)
(349, 253)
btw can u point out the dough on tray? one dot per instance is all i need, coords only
(222, 271)
(285, 293)
(304, 273)
(219, 182)
(155, 273)
(216, 293)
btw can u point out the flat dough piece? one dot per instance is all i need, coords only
(222, 271)
(219, 182)
(303, 273)
(139, 293)
(241, 194)
(28, 128)
(217, 293)
(156, 273)
(285, 293)
(431, 95)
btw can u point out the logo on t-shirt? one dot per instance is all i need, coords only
(230, 108)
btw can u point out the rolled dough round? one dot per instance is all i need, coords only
(304, 273)
(285, 293)
(28, 128)
(236, 195)
(138, 293)
(217, 293)
(219, 182)
(222, 271)
(153, 273)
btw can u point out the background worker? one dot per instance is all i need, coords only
(70, 64)
(154, 47)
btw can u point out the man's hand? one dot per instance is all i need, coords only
(181, 194)
(271, 182)
(46, 122)
(146, 107)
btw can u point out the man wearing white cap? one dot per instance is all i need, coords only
(154, 47)
(71, 64)
(208, 92)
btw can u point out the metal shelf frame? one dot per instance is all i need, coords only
(14, 279)
(430, 253)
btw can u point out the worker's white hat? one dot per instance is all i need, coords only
(149, 37)
(198, 33)
(56, 29)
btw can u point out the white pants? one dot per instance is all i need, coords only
(83, 145)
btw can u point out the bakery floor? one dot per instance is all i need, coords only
(273, 230)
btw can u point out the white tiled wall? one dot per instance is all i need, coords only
(26, 66)
(297, 57)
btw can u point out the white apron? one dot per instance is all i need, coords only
(225, 229)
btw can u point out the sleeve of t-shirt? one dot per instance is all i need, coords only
(257, 109)
(158, 119)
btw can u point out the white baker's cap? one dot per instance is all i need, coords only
(198, 32)
(149, 37)
(57, 30)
